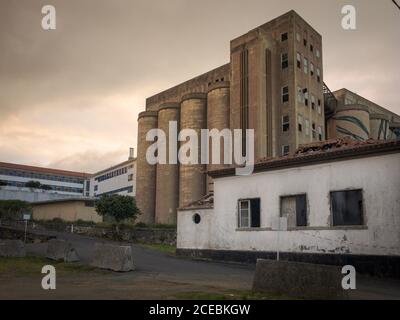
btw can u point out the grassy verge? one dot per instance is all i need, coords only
(167, 248)
(33, 265)
(228, 295)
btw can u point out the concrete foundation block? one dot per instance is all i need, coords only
(113, 257)
(299, 280)
(61, 250)
(12, 248)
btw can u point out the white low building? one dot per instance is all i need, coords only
(342, 206)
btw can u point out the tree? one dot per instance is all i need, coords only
(13, 209)
(33, 184)
(117, 206)
(45, 187)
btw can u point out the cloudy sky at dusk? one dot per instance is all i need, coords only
(69, 98)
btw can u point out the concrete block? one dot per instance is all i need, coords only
(61, 250)
(113, 257)
(12, 248)
(299, 280)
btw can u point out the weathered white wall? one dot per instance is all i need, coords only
(191, 235)
(378, 176)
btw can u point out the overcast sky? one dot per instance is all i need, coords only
(69, 98)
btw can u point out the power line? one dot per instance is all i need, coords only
(396, 4)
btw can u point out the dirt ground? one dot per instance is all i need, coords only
(158, 275)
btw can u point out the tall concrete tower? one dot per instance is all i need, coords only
(192, 178)
(146, 173)
(167, 182)
(217, 118)
(273, 84)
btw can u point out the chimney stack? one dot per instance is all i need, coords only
(131, 153)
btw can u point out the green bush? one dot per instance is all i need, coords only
(14, 209)
(118, 207)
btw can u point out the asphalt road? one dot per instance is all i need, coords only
(148, 260)
(160, 275)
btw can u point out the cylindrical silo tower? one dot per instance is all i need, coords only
(217, 118)
(353, 121)
(167, 182)
(145, 172)
(192, 177)
(379, 126)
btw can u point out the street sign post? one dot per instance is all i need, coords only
(26, 218)
(279, 224)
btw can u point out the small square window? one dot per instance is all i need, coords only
(305, 94)
(298, 58)
(300, 122)
(347, 208)
(285, 123)
(300, 96)
(314, 130)
(294, 208)
(284, 36)
(249, 213)
(285, 150)
(305, 42)
(284, 60)
(285, 94)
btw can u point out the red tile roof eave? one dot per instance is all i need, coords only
(317, 157)
(43, 170)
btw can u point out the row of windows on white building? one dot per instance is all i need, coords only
(346, 210)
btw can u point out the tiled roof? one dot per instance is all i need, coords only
(43, 170)
(206, 202)
(325, 151)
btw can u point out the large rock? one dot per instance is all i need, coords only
(299, 280)
(113, 257)
(61, 250)
(12, 248)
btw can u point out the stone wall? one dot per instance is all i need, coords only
(142, 235)
(136, 235)
(16, 234)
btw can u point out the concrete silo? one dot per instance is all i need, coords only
(146, 173)
(192, 177)
(353, 121)
(167, 182)
(217, 118)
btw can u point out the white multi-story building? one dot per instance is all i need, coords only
(119, 179)
(31, 183)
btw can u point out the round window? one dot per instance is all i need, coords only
(196, 218)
